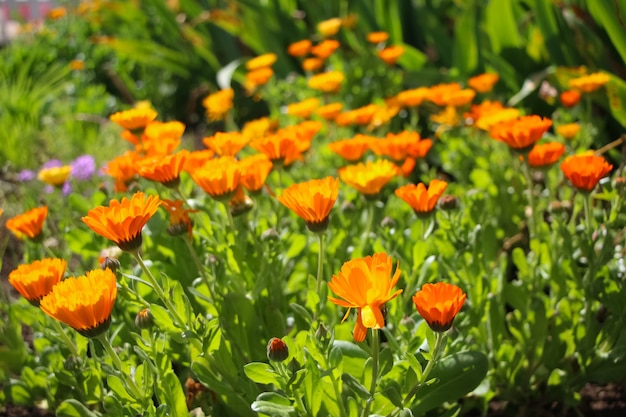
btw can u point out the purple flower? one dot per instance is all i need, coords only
(26, 175)
(83, 167)
(53, 163)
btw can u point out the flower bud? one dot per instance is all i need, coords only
(448, 203)
(144, 319)
(72, 363)
(111, 263)
(277, 350)
(270, 234)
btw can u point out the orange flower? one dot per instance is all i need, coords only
(304, 108)
(438, 93)
(546, 154)
(391, 54)
(369, 177)
(280, 148)
(121, 222)
(218, 104)
(218, 177)
(312, 64)
(77, 65)
(134, 119)
(364, 115)
(325, 48)
(254, 171)
(365, 284)
(165, 170)
(327, 82)
(329, 111)
(483, 83)
(300, 48)
(226, 143)
(57, 13)
(521, 134)
(589, 83)
(261, 61)
(413, 97)
(352, 149)
(377, 37)
(35, 280)
(439, 304)
(312, 201)
(196, 159)
(123, 169)
(240, 203)
(83, 303)
(29, 224)
(407, 167)
(421, 199)
(458, 98)
(399, 146)
(568, 131)
(258, 77)
(586, 170)
(570, 98)
(329, 27)
(258, 128)
(180, 222)
(486, 122)
(55, 176)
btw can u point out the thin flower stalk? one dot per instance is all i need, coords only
(375, 354)
(117, 362)
(200, 267)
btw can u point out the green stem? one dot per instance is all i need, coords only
(368, 228)
(117, 362)
(588, 215)
(320, 262)
(375, 351)
(342, 406)
(199, 265)
(532, 223)
(229, 215)
(72, 347)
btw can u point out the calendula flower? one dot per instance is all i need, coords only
(391, 54)
(327, 82)
(422, 199)
(352, 149)
(123, 169)
(546, 154)
(439, 304)
(226, 143)
(312, 64)
(304, 108)
(55, 176)
(458, 98)
(218, 104)
(161, 138)
(122, 221)
(413, 97)
(57, 13)
(325, 48)
(483, 83)
(568, 130)
(83, 303)
(329, 27)
(28, 224)
(165, 170)
(521, 134)
(180, 222)
(365, 284)
(589, 83)
(586, 170)
(196, 159)
(219, 177)
(570, 98)
(258, 77)
(261, 61)
(35, 280)
(258, 128)
(77, 65)
(277, 350)
(377, 37)
(240, 203)
(300, 48)
(280, 148)
(312, 201)
(398, 146)
(134, 119)
(370, 177)
(254, 172)
(329, 111)
(363, 115)
(439, 93)
(407, 167)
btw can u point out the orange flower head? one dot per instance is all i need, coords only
(363, 115)
(439, 304)
(280, 148)
(483, 83)
(83, 303)
(407, 167)
(254, 171)
(218, 104)
(304, 108)
(312, 64)
(521, 134)
(365, 284)
(226, 143)
(35, 280)
(219, 177)
(489, 120)
(123, 169)
(55, 176)
(134, 119)
(399, 146)
(261, 61)
(586, 170)
(28, 224)
(421, 199)
(570, 98)
(300, 48)
(258, 128)
(352, 149)
(329, 27)
(329, 111)
(161, 138)
(459, 98)
(165, 170)
(180, 222)
(568, 131)
(546, 154)
(240, 203)
(57, 13)
(370, 177)
(391, 54)
(439, 93)
(377, 37)
(589, 83)
(77, 65)
(325, 48)
(312, 201)
(413, 97)
(327, 82)
(258, 77)
(122, 221)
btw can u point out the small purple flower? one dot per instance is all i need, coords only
(83, 167)
(26, 175)
(53, 163)
(67, 188)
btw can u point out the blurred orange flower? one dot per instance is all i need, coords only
(254, 171)
(304, 108)
(483, 83)
(589, 83)
(196, 159)
(226, 143)
(458, 98)
(258, 77)
(28, 224)
(280, 148)
(300, 48)
(261, 61)
(370, 177)
(134, 119)
(545, 154)
(413, 97)
(439, 93)
(312, 201)
(521, 134)
(123, 169)
(312, 64)
(398, 146)
(422, 199)
(391, 54)
(122, 221)
(438, 304)
(365, 284)
(586, 170)
(568, 131)
(377, 37)
(325, 48)
(258, 128)
(329, 27)
(218, 104)
(218, 177)
(35, 280)
(165, 169)
(329, 111)
(83, 303)
(327, 82)
(570, 98)
(161, 138)
(352, 149)
(180, 222)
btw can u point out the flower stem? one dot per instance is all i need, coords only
(320, 262)
(71, 346)
(229, 215)
(375, 351)
(117, 362)
(368, 228)
(532, 223)
(588, 215)
(199, 265)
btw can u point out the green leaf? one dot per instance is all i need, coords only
(262, 373)
(385, 362)
(272, 409)
(73, 408)
(170, 392)
(163, 320)
(465, 51)
(117, 386)
(611, 20)
(501, 25)
(358, 388)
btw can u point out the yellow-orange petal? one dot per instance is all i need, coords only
(439, 304)
(35, 280)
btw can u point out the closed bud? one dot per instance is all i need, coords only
(294, 366)
(111, 263)
(449, 203)
(270, 234)
(144, 319)
(388, 223)
(277, 350)
(72, 363)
